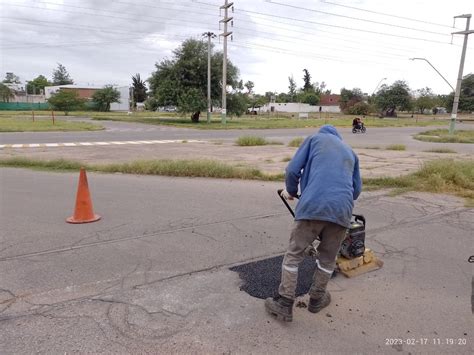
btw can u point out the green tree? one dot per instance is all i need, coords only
(151, 104)
(237, 104)
(66, 100)
(394, 97)
(37, 85)
(11, 78)
(249, 85)
(257, 101)
(188, 69)
(425, 99)
(5, 93)
(319, 87)
(194, 101)
(104, 97)
(309, 97)
(466, 98)
(139, 89)
(359, 108)
(291, 89)
(282, 97)
(349, 98)
(307, 81)
(61, 76)
(270, 95)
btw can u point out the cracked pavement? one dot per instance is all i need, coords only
(153, 275)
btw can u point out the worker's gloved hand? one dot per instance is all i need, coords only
(286, 195)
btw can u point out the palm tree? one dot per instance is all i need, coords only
(139, 89)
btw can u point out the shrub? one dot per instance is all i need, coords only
(296, 142)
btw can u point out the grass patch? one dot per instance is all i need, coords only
(396, 147)
(443, 136)
(57, 164)
(439, 176)
(184, 168)
(246, 141)
(43, 124)
(286, 159)
(371, 147)
(296, 142)
(440, 150)
(262, 121)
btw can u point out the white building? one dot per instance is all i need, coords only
(296, 107)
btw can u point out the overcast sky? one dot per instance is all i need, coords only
(345, 43)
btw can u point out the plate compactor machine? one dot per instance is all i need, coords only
(354, 258)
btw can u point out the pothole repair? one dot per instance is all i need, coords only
(262, 278)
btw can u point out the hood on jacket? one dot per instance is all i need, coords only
(329, 129)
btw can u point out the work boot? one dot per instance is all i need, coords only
(319, 297)
(317, 304)
(280, 307)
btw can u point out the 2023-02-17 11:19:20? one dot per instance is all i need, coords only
(426, 341)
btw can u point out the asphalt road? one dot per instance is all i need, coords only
(153, 275)
(125, 131)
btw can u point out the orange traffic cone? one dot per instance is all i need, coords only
(83, 213)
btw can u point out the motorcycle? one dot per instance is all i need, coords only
(359, 129)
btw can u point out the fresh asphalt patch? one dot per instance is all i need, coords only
(261, 278)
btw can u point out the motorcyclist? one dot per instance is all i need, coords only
(357, 123)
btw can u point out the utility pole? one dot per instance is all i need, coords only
(209, 36)
(225, 21)
(466, 33)
(131, 100)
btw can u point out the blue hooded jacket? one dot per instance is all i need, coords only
(327, 171)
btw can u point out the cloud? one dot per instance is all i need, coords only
(103, 42)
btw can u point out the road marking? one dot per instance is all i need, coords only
(79, 144)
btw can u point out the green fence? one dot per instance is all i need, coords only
(23, 106)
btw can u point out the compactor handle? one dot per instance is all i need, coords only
(286, 202)
(359, 218)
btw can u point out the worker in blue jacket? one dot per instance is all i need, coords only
(327, 171)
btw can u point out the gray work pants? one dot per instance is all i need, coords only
(303, 234)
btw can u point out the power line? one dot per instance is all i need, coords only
(353, 18)
(335, 26)
(384, 14)
(98, 15)
(95, 29)
(254, 12)
(327, 13)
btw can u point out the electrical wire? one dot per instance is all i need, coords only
(180, 22)
(385, 14)
(89, 43)
(353, 18)
(349, 49)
